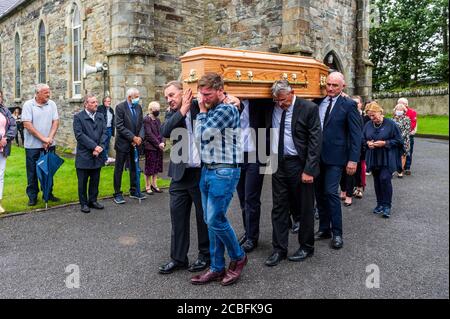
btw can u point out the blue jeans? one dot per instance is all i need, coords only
(217, 187)
(108, 140)
(31, 157)
(409, 156)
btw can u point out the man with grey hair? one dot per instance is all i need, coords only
(130, 134)
(341, 147)
(412, 114)
(89, 127)
(297, 146)
(41, 121)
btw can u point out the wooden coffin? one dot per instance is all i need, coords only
(251, 74)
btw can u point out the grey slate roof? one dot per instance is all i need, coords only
(7, 6)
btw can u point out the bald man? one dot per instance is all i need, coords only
(341, 147)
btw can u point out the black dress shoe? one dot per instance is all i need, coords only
(249, 245)
(301, 254)
(337, 242)
(199, 265)
(275, 259)
(322, 235)
(54, 199)
(295, 228)
(32, 202)
(96, 205)
(170, 267)
(85, 209)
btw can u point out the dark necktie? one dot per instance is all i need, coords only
(281, 139)
(133, 113)
(327, 113)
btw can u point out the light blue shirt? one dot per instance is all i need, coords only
(289, 147)
(246, 137)
(323, 108)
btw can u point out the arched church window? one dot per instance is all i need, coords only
(42, 55)
(76, 51)
(17, 66)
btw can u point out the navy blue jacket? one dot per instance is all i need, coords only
(89, 135)
(342, 133)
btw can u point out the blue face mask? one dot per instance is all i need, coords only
(135, 101)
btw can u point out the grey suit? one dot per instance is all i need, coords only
(184, 190)
(126, 130)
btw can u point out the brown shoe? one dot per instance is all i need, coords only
(207, 277)
(234, 271)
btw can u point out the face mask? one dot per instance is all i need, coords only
(156, 113)
(135, 101)
(399, 113)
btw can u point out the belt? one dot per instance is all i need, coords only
(216, 166)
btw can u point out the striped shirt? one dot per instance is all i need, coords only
(219, 133)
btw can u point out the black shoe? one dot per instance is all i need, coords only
(274, 259)
(242, 240)
(96, 205)
(170, 267)
(295, 228)
(301, 254)
(54, 199)
(337, 242)
(322, 235)
(85, 209)
(32, 202)
(199, 265)
(138, 196)
(118, 199)
(249, 245)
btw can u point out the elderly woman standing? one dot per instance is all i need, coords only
(404, 124)
(7, 134)
(153, 148)
(384, 144)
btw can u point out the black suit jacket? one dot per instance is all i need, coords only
(89, 135)
(342, 133)
(102, 109)
(306, 134)
(126, 128)
(175, 120)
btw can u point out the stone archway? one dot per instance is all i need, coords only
(332, 61)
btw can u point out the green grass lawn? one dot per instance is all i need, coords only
(433, 124)
(65, 183)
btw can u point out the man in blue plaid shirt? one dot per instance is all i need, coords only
(217, 127)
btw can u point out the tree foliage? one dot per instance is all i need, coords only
(409, 42)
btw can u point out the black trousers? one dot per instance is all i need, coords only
(182, 194)
(249, 192)
(88, 194)
(348, 183)
(121, 158)
(288, 177)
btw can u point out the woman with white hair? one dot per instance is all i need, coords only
(404, 124)
(153, 148)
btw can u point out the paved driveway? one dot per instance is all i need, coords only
(117, 251)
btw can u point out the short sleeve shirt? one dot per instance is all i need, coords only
(42, 117)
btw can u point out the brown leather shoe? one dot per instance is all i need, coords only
(234, 271)
(207, 277)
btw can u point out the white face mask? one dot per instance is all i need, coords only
(399, 113)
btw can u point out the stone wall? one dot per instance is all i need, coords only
(425, 102)
(287, 26)
(57, 18)
(179, 28)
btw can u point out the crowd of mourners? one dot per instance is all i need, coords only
(322, 152)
